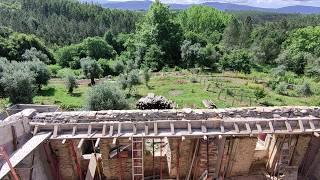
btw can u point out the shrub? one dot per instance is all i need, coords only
(260, 93)
(105, 96)
(146, 75)
(193, 79)
(62, 73)
(118, 67)
(71, 83)
(53, 69)
(133, 79)
(281, 88)
(19, 85)
(306, 90)
(237, 60)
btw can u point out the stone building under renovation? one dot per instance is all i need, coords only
(242, 143)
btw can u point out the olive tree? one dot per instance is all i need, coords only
(71, 83)
(41, 72)
(19, 85)
(106, 96)
(91, 69)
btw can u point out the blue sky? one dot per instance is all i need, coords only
(257, 3)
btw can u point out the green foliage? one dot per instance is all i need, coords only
(33, 54)
(40, 70)
(106, 96)
(146, 75)
(91, 69)
(305, 90)
(293, 61)
(191, 54)
(62, 73)
(53, 69)
(304, 40)
(231, 34)
(203, 22)
(282, 88)
(118, 67)
(260, 93)
(64, 22)
(18, 85)
(97, 48)
(14, 45)
(237, 60)
(70, 83)
(153, 58)
(158, 28)
(267, 41)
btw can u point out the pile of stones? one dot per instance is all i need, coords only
(154, 102)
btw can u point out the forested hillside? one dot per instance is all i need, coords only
(41, 39)
(63, 22)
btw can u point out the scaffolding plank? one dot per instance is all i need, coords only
(24, 151)
(91, 167)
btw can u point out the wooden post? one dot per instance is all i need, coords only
(74, 154)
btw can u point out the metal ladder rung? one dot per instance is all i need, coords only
(137, 166)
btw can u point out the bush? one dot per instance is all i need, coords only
(62, 73)
(260, 93)
(306, 90)
(105, 96)
(237, 60)
(118, 67)
(281, 88)
(71, 83)
(53, 69)
(193, 79)
(19, 86)
(146, 75)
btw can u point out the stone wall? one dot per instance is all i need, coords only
(147, 115)
(242, 156)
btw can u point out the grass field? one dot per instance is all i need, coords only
(188, 90)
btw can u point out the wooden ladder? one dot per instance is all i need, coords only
(286, 153)
(137, 159)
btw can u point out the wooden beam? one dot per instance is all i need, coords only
(80, 144)
(203, 127)
(301, 125)
(97, 143)
(155, 128)
(222, 127)
(74, 130)
(288, 126)
(312, 125)
(89, 129)
(259, 128)
(146, 129)
(189, 127)
(111, 131)
(172, 128)
(271, 126)
(236, 127)
(316, 134)
(55, 131)
(114, 140)
(248, 127)
(35, 130)
(104, 129)
(119, 129)
(134, 128)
